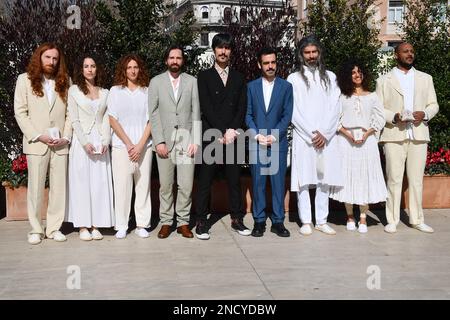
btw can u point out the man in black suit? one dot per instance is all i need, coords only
(223, 101)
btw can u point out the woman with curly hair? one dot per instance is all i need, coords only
(90, 180)
(361, 121)
(131, 152)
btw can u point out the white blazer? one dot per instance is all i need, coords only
(391, 96)
(84, 119)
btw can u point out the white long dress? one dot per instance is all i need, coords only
(315, 108)
(363, 177)
(90, 183)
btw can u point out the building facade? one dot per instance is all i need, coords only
(213, 17)
(388, 14)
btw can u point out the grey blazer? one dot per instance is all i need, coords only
(174, 121)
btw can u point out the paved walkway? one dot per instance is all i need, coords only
(410, 264)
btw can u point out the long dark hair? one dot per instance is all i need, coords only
(344, 77)
(311, 40)
(80, 80)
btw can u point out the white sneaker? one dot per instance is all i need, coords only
(34, 238)
(362, 228)
(351, 226)
(325, 228)
(57, 236)
(121, 234)
(423, 227)
(96, 235)
(390, 228)
(142, 233)
(85, 235)
(306, 229)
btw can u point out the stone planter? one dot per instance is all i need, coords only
(436, 192)
(16, 204)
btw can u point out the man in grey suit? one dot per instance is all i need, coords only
(176, 132)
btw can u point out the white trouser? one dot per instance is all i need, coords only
(124, 173)
(414, 153)
(321, 204)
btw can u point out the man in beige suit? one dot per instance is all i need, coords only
(175, 118)
(409, 101)
(41, 111)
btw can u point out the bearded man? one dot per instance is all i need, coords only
(40, 109)
(176, 129)
(315, 161)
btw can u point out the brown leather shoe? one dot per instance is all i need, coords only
(164, 232)
(185, 232)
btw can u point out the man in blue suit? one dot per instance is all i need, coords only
(269, 112)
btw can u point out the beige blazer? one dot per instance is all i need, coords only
(174, 120)
(390, 93)
(35, 115)
(84, 119)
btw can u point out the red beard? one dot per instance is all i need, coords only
(48, 70)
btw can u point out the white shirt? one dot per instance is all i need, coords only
(407, 85)
(223, 73)
(175, 88)
(130, 109)
(49, 87)
(267, 91)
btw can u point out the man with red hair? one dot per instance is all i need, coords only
(40, 107)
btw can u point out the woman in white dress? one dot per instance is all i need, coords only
(131, 152)
(362, 119)
(90, 177)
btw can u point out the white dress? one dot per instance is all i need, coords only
(363, 177)
(315, 108)
(90, 183)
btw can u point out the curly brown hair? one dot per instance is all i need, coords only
(120, 76)
(35, 72)
(79, 79)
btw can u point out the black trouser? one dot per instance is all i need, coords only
(204, 184)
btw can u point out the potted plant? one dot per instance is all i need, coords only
(14, 178)
(436, 182)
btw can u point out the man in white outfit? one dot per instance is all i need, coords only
(409, 101)
(315, 161)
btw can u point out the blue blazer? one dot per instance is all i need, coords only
(277, 117)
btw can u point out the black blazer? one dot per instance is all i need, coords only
(222, 107)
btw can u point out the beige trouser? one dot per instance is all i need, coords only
(124, 173)
(185, 179)
(38, 165)
(414, 153)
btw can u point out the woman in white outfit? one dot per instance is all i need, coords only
(131, 152)
(90, 180)
(361, 121)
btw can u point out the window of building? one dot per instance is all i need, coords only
(264, 13)
(393, 43)
(227, 15)
(395, 12)
(204, 39)
(243, 16)
(205, 12)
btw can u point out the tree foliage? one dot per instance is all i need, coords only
(138, 26)
(265, 26)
